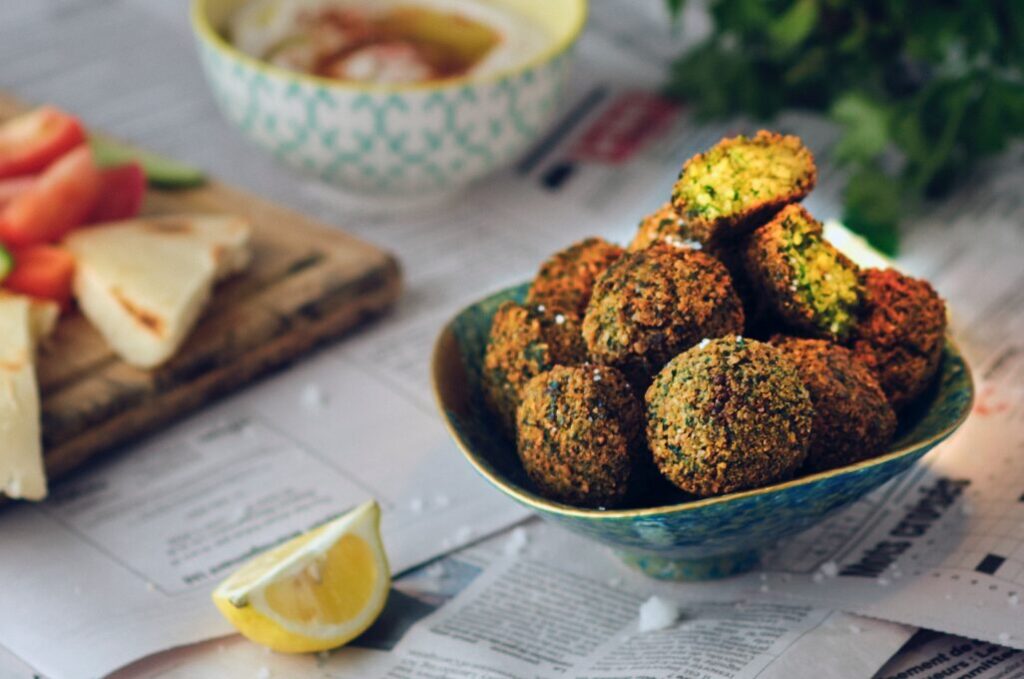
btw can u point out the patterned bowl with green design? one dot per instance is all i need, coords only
(392, 141)
(680, 538)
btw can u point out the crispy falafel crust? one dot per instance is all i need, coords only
(566, 279)
(580, 433)
(523, 343)
(652, 304)
(737, 184)
(853, 420)
(728, 415)
(900, 334)
(810, 284)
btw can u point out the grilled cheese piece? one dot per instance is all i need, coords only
(21, 450)
(144, 282)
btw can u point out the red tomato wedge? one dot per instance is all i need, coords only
(122, 189)
(14, 187)
(35, 139)
(59, 201)
(44, 272)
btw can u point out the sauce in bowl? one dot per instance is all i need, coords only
(397, 41)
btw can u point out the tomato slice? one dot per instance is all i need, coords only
(58, 202)
(14, 187)
(33, 140)
(122, 189)
(44, 272)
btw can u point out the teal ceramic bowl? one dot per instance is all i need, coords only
(398, 144)
(697, 539)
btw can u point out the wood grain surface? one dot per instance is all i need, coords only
(308, 283)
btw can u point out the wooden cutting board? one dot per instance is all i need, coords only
(308, 283)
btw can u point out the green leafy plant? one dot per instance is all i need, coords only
(921, 89)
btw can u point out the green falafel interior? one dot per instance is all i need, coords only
(724, 411)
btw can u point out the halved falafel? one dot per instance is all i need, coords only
(652, 304)
(728, 415)
(853, 420)
(579, 434)
(523, 343)
(810, 284)
(901, 333)
(737, 184)
(566, 279)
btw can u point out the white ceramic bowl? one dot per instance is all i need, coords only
(391, 141)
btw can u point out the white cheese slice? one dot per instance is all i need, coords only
(21, 451)
(143, 283)
(43, 315)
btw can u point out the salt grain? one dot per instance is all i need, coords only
(559, 319)
(703, 343)
(516, 542)
(855, 629)
(765, 588)
(818, 578)
(883, 582)
(614, 582)
(416, 505)
(441, 500)
(1004, 637)
(657, 613)
(463, 535)
(313, 397)
(1013, 599)
(151, 587)
(830, 569)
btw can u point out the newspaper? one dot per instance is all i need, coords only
(936, 656)
(151, 530)
(519, 606)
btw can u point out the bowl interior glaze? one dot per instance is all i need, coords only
(680, 538)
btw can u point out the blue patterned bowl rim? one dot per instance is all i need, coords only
(205, 31)
(542, 504)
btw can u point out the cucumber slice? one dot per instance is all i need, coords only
(6, 262)
(160, 171)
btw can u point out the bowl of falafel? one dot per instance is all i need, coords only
(728, 379)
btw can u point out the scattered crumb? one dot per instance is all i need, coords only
(516, 542)
(313, 397)
(657, 613)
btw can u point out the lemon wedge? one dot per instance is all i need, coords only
(314, 592)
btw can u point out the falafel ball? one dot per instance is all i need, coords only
(580, 432)
(810, 284)
(741, 181)
(523, 343)
(566, 279)
(652, 304)
(853, 421)
(901, 333)
(664, 225)
(728, 415)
